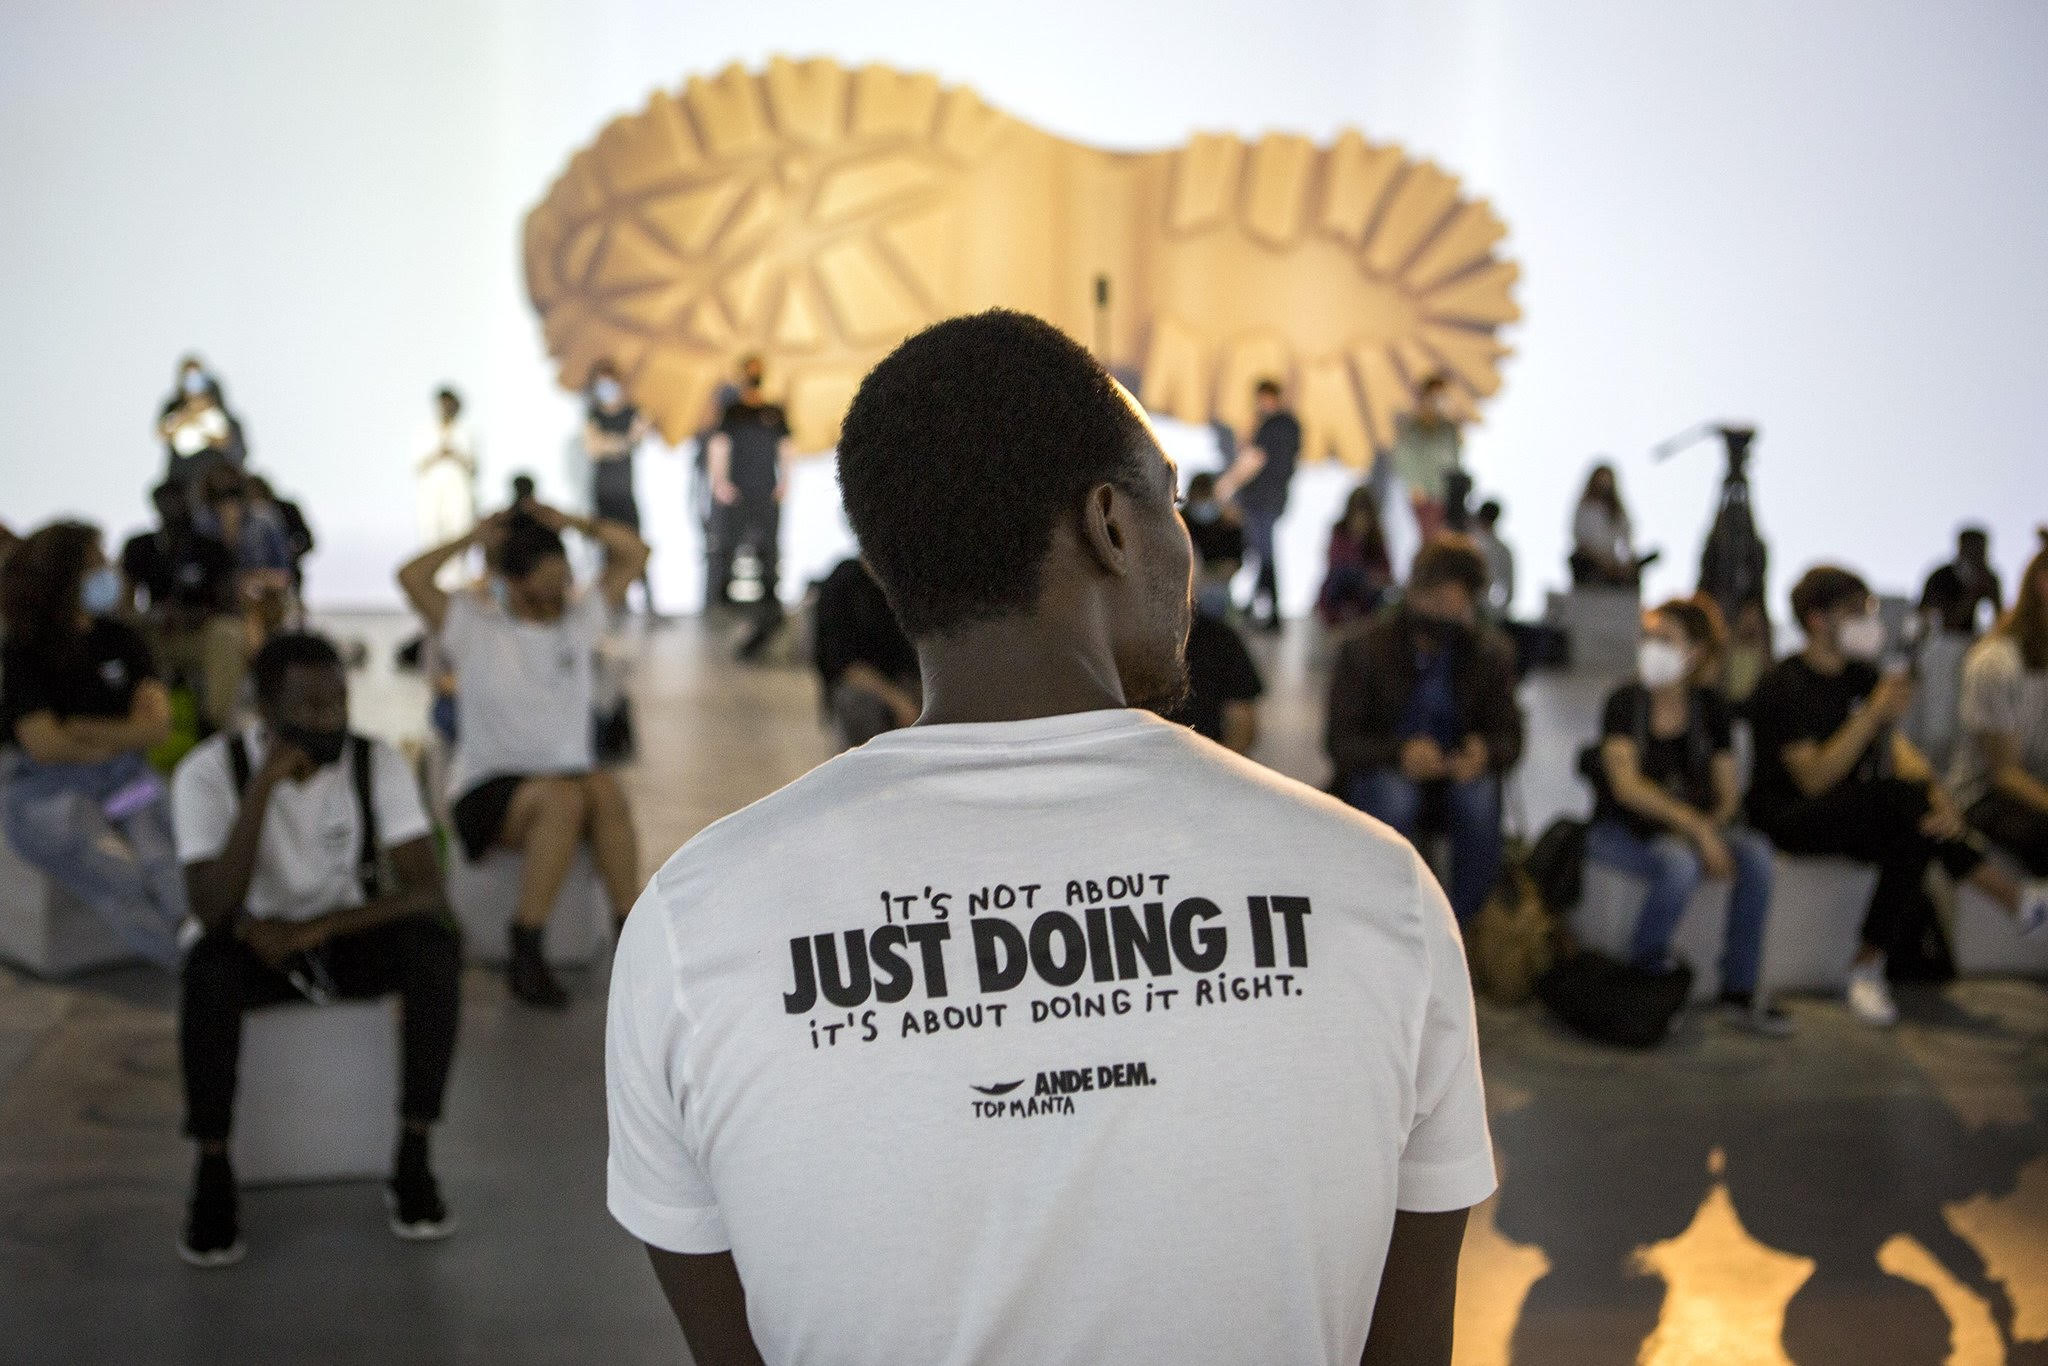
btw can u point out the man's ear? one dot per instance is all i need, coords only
(1105, 530)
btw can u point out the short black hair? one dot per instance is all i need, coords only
(1432, 384)
(961, 451)
(1202, 485)
(1448, 558)
(527, 543)
(1973, 535)
(447, 394)
(283, 652)
(1489, 511)
(1823, 588)
(522, 487)
(1266, 386)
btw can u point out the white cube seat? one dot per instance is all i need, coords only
(1611, 902)
(47, 931)
(1816, 922)
(1603, 625)
(486, 894)
(1987, 942)
(319, 1090)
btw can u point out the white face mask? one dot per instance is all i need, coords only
(607, 391)
(1861, 637)
(1659, 663)
(193, 383)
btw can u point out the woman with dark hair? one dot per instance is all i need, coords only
(1360, 570)
(2001, 773)
(80, 703)
(1667, 796)
(1603, 544)
(197, 428)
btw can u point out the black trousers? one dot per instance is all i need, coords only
(418, 957)
(756, 520)
(2016, 827)
(1877, 822)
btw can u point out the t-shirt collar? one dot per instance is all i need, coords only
(1080, 725)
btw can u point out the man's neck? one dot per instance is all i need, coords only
(1017, 668)
(1823, 658)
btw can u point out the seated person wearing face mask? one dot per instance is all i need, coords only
(311, 867)
(525, 775)
(1666, 796)
(80, 705)
(1422, 707)
(1835, 775)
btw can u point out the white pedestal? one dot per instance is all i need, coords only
(1816, 923)
(46, 930)
(1988, 941)
(318, 1099)
(1603, 624)
(1611, 903)
(486, 894)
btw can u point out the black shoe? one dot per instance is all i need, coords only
(413, 1196)
(213, 1225)
(528, 973)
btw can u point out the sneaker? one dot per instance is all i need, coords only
(413, 1196)
(1870, 996)
(528, 974)
(1757, 1016)
(213, 1225)
(2033, 912)
(813, 211)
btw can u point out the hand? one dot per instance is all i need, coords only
(275, 940)
(1942, 821)
(1470, 760)
(1892, 697)
(1715, 860)
(283, 761)
(1422, 759)
(726, 492)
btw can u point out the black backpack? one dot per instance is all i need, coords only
(1557, 864)
(1615, 1002)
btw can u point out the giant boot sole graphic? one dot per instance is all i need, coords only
(819, 215)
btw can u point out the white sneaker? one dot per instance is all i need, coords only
(1870, 998)
(2033, 913)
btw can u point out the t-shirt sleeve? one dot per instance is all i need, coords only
(1447, 1163)
(135, 654)
(1714, 715)
(653, 1184)
(203, 803)
(401, 816)
(1991, 689)
(1618, 718)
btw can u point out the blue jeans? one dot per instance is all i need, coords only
(1258, 545)
(125, 870)
(1473, 809)
(1671, 866)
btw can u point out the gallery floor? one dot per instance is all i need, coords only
(1843, 1199)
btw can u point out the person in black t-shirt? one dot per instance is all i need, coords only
(1666, 797)
(1955, 594)
(1223, 681)
(867, 668)
(747, 459)
(1217, 532)
(186, 585)
(612, 431)
(1258, 480)
(1835, 775)
(80, 704)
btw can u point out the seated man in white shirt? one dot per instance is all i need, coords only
(310, 866)
(525, 775)
(1042, 1029)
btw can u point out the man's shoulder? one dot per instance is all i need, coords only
(204, 765)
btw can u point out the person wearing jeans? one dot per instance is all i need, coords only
(80, 704)
(1257, 481)
(1422, 712)
(1666, 797)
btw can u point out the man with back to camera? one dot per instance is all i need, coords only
(1069, 1036)
(1257, 481)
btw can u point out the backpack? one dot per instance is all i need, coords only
(1614, 1002)
(370, 852)
(1556, 866)
(1512, 940)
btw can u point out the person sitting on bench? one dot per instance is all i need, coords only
(312, 871)
(80, 704)
(1835, 775)
(525, 775)
(2001, 772)
(1666, 797)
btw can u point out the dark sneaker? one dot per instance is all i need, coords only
(213, 1225)
(1757, 1016)
(528, 973)
(413, 1197)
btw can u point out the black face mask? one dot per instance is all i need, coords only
(323, 747)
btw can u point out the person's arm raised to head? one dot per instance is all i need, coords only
(417, 577)
(625, 553)
(710, 1304)
(1412, 1319)
(1245, 468)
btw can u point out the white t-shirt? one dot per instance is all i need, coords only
(2000, 694)
(522, 689)
(826, 1054)
(312, 832)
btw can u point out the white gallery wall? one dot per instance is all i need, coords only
(1826, 217)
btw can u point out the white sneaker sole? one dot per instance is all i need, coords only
(424, 1231)
(209, 1261)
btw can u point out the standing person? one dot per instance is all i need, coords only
(525, 775)
(1666, 805)
(748, 461)
(1835, 775)
(312, 871)
(190, 584)
(1957, 594)
(1422, 708)
(80, 706)
(446, 474)
(1603, 543)
(867, 669)
(1427, 447)
(612, 432)
(1257, 481)
(1360, 571)
(2001, 771)
(1020, 516)
(197, 428)
(1500, 561)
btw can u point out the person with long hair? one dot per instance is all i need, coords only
(1360, 570)
(80, 705)
(2001, 773)
(1667, 798)
(1603, 543)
